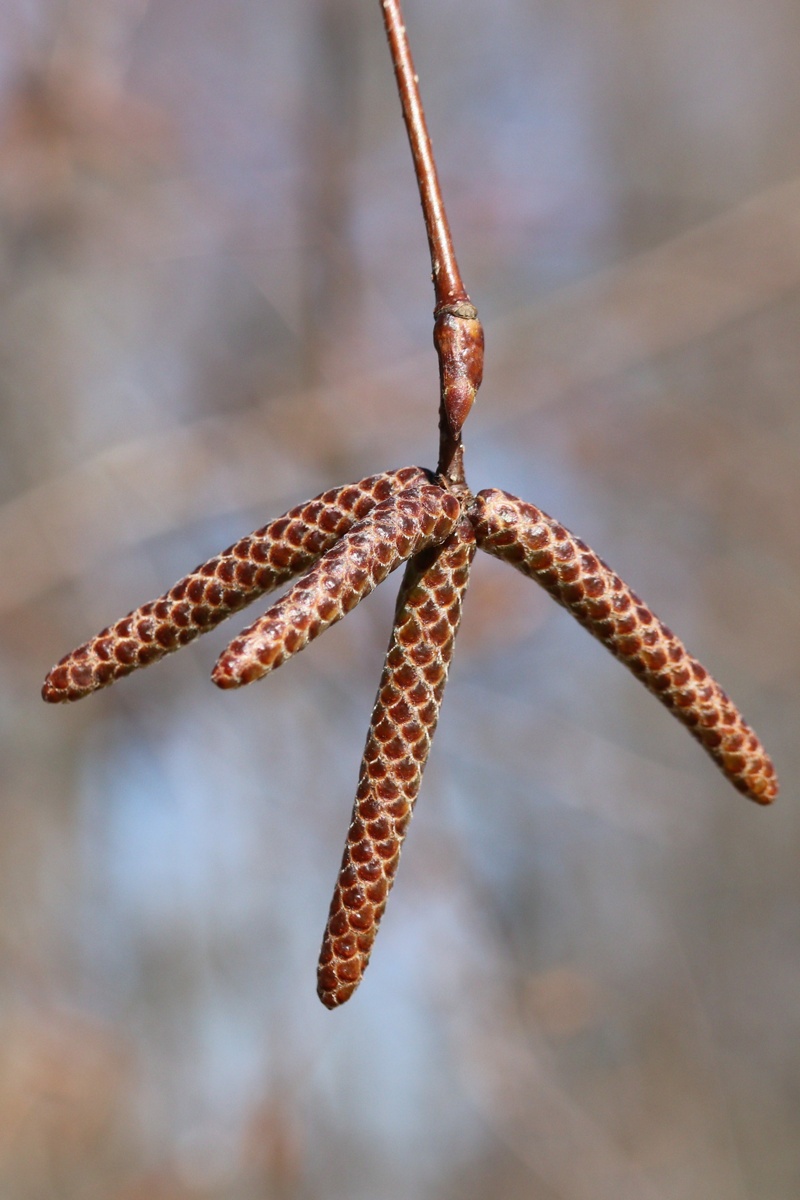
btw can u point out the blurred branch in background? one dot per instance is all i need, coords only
(659, 301)
(197, 204)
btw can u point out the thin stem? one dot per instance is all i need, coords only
(457, 332)
(447, 282)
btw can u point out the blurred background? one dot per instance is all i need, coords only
(215, 302)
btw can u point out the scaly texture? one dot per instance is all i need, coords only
(393, 531)
(255, 564)
(402, 726)
(565, 566)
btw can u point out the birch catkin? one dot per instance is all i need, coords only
(215, 590)
(541, 548)
(401, 730)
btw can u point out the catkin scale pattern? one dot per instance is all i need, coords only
(398, 742)
(217, 589)
(576, 578)
(345, 541)
(342, 544)
(395, 529)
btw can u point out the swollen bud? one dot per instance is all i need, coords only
(458, 338)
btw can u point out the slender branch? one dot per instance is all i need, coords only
(447, 282)
(457, 332)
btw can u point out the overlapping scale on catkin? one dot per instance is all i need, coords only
(394, 530)
(399, 739)
(225, 584)
(566, 567)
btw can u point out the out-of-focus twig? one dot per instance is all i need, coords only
(692, 286)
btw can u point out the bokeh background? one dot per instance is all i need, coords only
(214, 302)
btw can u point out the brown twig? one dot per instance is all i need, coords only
(447, 282)
(457, 332)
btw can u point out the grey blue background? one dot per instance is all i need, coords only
(214, 302)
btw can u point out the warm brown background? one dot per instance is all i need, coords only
(214, 301)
